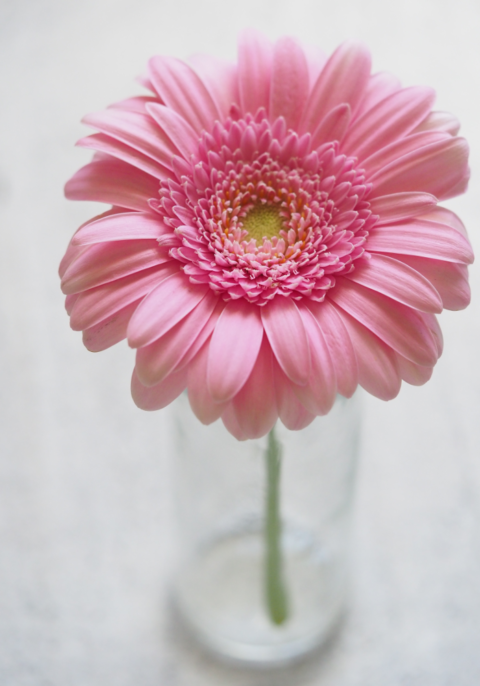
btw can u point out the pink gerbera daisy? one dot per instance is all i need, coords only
(274, 237)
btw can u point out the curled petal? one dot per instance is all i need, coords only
(121, 151)
(96, 304)
(339, 345)
(286, 332)
(114, 182)
(156, 361)
(290, 410)
(382, 158)
(439, 168)
(342, 80)
(159, 396)
(398, 281)
(163, 307)
(333, 126)
(442, 215)
(319, 394)
(181, 134)
(422, 238)
(109, 331)
(440, 121)
(201, 401)
(391, 209)
(400, 327)
(448, 278)
(234, 349)
(377, 367)
(104, 262)
(135, 104)
(135, 130)
(379, 86)
(414, 374)
(391, 119)
(255, 404)
(182, 90)
(221, 80)
(125, 226)
(70, 302)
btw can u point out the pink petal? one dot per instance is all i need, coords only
(377, 368)
(342, 80)
(93, 306)
(379, 87)
(204, 334)
(400, 327)
(435, 169)
(398, 281)
(289, 83)
(144, 81)
(72, 253)
(233, 349)
(254, 71)
(255, 404)
(389, 120)
(316, 60)
(122, 151)
(440, 121)
(159, 396)
(105, 262)
(109, 331)
(202, 403)
(136, 130)
(333, 126)
(339, 345)
(422, 238)
(285, 330)
(444, 216)
(319, 394)
(432, 324)
(398, 206)
(290, 410)
(156, 361)
(70, 301)
(179, 131)
(114, 182)
(389, 154)
(163, 307)
(449, 279)
(413, 374)
(221, 80)
(231, 423)
(126, 226)
(136, 104)
(183, 90)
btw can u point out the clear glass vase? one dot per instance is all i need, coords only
(220, 585)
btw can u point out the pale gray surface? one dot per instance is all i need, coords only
(85, 531)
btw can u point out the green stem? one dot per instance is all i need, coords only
(276, 597)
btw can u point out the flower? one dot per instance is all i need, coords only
(274, 236)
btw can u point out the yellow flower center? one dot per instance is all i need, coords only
(263, 221)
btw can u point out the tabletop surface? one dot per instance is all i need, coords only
(85, 497)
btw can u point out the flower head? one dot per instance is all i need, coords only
(274, 236)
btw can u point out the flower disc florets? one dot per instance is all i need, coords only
(259, 214)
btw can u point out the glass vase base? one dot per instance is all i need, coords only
(221, 597)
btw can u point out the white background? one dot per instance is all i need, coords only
(84, 485)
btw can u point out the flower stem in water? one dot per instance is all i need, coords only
(276, 597)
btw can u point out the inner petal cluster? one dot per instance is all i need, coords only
(257, 212)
